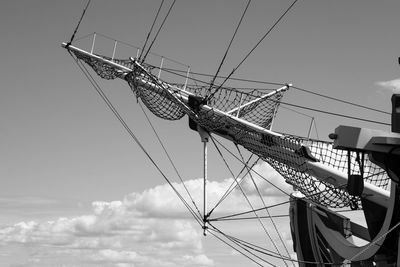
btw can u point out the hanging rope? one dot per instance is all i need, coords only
(151, 29)
(229, 46)
(79, 23)
(159, 29)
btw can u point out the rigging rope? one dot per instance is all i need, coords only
(253, 170)
(234, 248)
(130, 132)
(267, 210)
(250, 211)
(273, 254)
(336, 114)
(370, 244)
(229, 46)
(339, 100)
(239, 244)
(79, 23)
(233, 184)
(170, 160)
(307, 108)
(151, 29)
(249, 203)
(175, 72)
(251, 51)
(162, 24)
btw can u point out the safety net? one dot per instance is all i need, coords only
(242, 116)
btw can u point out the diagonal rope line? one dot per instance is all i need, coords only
(335, 114)
(151, 29)
(233, 247)
(250, 218)
(272, 253)
(297, 106)
(251, 205)
(229, 46)
(339, 100)
(127, 128)
(251, 51)
(232, 185)
(253, 170)
(264, 204)
(247, 212)
(371, 244)
(245, 248)
(159, 29)
(255, 247)
(176, 72)
(170, 160)
(79, 23)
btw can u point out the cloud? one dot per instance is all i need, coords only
(392, 85)
(151, 228)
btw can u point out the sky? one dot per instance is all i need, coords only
(77, 191)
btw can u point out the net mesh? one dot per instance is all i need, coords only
(287, 154)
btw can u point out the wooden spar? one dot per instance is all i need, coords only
(284, 88)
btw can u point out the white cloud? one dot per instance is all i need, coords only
(392, 85)
(198, 260)
(109, 255)
(151, 228)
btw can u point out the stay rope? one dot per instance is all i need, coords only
(79, 23)
(250, 211)
(299, 106)
(267, 252)
(229, 46)
(151, 29)
(170, 160)
(251, 51)
(250, 204)
(159, 29)
(233, 185)
(98, 89)
(264, 204)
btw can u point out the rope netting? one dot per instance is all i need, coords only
(225, 113)
(319, 190)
